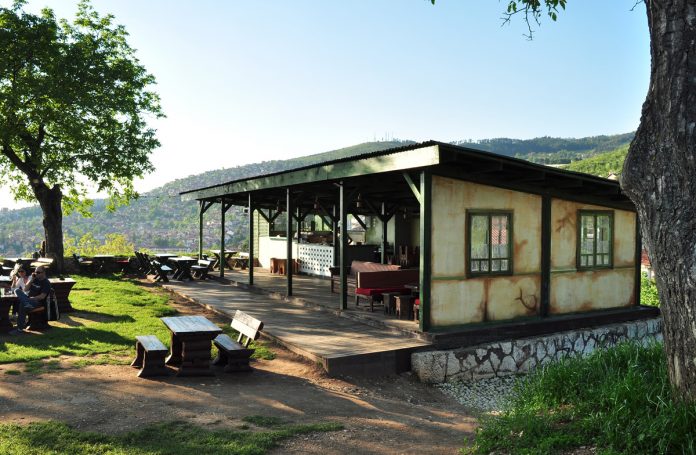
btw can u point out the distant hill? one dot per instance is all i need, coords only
(551, 150)
(160, 220)
(603, 164)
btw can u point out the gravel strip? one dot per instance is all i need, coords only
(485, 394)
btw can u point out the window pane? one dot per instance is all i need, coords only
(504, 265)
(603, 234)
(479, 237)
(587, 234)
(499, 236)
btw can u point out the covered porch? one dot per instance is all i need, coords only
(537, 286)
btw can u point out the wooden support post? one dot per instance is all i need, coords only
(385, 222)
(545, 255)
(299, 220)
(202, 208)
(343, 249)
(288, 233)
(425, 243)
(250, 240)
(201, 204)
(222, 238)
(336, 247)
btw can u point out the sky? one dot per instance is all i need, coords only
(248, 81)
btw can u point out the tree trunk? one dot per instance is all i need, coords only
(659, 175)
(50, 200)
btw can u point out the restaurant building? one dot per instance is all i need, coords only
(503, 247)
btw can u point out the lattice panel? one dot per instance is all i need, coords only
(315, 259)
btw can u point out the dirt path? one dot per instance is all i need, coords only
(381, 415)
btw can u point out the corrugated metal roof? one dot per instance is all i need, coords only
(450, 147)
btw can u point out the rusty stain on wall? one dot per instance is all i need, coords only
(592, 290)
(564, 234)
(505, 293)
(457, 300)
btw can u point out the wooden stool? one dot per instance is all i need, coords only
(37, 319)
(389, 302)
(404, 306)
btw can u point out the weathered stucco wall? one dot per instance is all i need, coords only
(458, 300)
(573, 290)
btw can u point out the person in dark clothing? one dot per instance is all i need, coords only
(39, 288)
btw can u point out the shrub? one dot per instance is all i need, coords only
(619, 400)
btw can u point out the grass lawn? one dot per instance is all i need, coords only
(619, 401)
(109, 313)
(171, 438)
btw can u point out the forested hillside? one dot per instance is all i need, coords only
(160, 220)
(551, 150)
(603, 164)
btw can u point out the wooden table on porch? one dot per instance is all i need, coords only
(191, 343)
(183, 267)
(223, 258)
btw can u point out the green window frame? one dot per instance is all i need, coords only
(595, 246)
(489, 240)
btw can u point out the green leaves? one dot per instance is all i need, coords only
(74, 105)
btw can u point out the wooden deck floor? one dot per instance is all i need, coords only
(351, 342)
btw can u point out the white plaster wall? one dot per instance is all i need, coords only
(458, 300)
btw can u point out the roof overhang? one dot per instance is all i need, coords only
(332, 171)
(388, 175)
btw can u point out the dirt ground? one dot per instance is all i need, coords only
(388, 415)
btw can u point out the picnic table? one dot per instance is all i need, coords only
(241, 261)
(226, 258)
(182, 264)
(191, 343)
(62, 287)
(6, 301)
(103, 263)
(164, 257)
(24, 262)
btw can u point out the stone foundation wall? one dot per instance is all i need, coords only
(512, 357)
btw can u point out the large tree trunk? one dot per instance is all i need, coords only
(659, 175)
(50, 200)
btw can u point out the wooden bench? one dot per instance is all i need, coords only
(355, 268)
(83, 266)
(201, 269)
(149, 356)
(160, 271)
(235, 355)
(143, 263)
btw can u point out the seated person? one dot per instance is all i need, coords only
(39, 288)
(19, 279)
